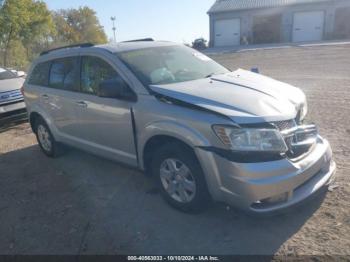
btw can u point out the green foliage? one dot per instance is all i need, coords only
(38, 32)
(27, 28)
(200, 43)
(78, 26)
(18, 55)
(22, 22)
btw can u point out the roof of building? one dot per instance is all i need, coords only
(234, 5)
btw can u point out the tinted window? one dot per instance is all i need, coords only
(64, 74)
(40, 74)
(94, 71)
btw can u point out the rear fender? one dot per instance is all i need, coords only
(35, 108)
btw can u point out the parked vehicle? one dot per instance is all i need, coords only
(11, 99)
(202, 131)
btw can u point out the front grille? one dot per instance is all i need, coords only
(293, 152)
(8, 117)
(285, 125)
(10, 96)
(12, 102)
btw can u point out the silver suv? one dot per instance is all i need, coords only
(203, 132)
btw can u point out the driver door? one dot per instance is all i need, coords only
(105, 123)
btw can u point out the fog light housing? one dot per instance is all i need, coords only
(277, 199)
(271, 201)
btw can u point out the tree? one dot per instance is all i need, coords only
(199, 43)
(77, 26)
(27, 27)
(17, 55)
(23, 22)
(37, 34)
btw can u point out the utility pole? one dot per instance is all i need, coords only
(113, 21)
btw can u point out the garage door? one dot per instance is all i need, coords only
(227, 32)
(308, 26)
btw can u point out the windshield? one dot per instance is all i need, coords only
(170, 64)
(6, 74)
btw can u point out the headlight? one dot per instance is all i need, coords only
(251, 139)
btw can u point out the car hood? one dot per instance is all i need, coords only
(11, 84)
(244, 96)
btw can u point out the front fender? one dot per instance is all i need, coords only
(173, 129)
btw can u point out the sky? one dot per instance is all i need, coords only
(172, 20)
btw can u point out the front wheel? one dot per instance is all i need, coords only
(180, 178)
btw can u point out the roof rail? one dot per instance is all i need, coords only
(140, 40)
(68, 46)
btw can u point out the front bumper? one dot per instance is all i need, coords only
(12, 112)
(268, 186)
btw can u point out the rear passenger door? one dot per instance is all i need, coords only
(62, 96)
(106, 124)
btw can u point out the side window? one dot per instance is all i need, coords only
(64, 74)
(94, 71)
(40, 74)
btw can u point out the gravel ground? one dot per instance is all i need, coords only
(82, 204)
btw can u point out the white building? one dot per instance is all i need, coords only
(236, 22)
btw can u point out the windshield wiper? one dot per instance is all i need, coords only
(210, 75)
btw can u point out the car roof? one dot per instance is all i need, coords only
(111, 48)
(129, 46)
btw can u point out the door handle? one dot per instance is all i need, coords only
(45, 98)
(82, 104)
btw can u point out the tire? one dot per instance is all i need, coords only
(180, 178)
(46, 140)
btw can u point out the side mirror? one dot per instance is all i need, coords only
(255, 70)
(115, 88)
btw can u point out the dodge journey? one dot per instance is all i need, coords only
(201, 131)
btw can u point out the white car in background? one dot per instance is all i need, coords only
(12, 106)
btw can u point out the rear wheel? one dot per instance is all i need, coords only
(45, 139)
(180, 178)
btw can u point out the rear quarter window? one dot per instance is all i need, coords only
(40, 74)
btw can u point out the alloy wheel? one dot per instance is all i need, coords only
(177, 180)
(44, 138)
